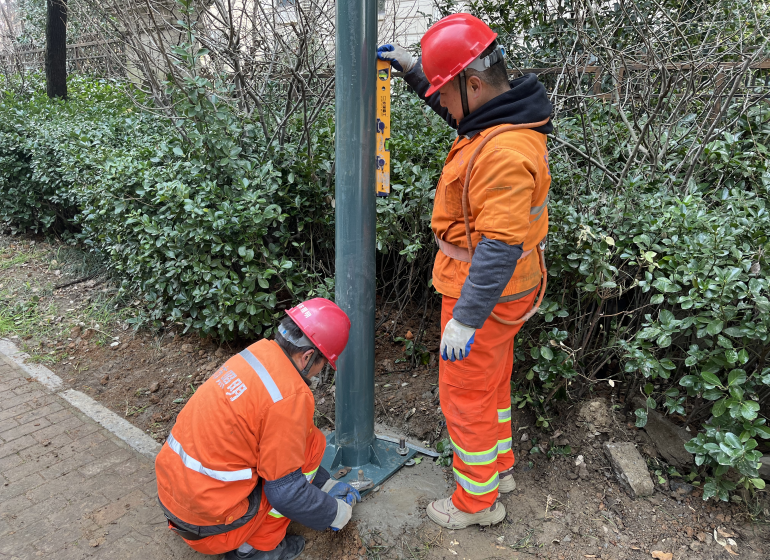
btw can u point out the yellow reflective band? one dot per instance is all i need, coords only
(310, 475)
(504, 445)
(504, 414)
(476, 488)
(475, 458)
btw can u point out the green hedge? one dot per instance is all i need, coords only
(195, 218)
(667, 292)
(204, 231)
(662, 291)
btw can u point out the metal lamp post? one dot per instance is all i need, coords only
(353, 443)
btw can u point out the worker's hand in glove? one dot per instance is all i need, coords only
(456, 341)
(400, 59)
(341, 491)
(344, 513)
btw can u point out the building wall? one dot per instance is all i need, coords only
(404, 21)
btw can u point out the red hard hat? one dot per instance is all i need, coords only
(450, 45)
(325, 324)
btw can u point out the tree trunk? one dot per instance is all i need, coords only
(56, 48)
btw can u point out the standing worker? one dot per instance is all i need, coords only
(244, 455)
(487, 290)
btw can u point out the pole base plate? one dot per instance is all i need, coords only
(384, 462)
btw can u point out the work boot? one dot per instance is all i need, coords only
(290, 547)
(507, 484)
(447, 515)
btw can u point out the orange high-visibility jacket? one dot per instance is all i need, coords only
(253, 418)
(508, 195)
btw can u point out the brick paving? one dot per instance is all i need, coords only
(70, 489)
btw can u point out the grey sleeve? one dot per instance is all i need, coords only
(420, 84)
(491, 269)
(294, 497)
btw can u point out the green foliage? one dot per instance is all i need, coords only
(32, 15)
(444, 447)
(671, 285)
(187, 215)
(189, 212)
(413, 351)
(657, 283)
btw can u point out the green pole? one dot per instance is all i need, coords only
(355, 225)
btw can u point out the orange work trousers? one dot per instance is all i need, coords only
(266, 530)
(475, 398)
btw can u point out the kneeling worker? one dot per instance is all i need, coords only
(244, 455)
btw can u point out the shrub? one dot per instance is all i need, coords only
(653, 285)
(664, 292)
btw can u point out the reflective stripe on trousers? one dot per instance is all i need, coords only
(477, 488)
(309, 477)
(475, 457)
(504, 445)
(504, 414)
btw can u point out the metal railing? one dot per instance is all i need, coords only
(100, 58)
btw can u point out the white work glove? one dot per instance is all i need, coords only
(400, 59)
(344, 513)
(456, 340)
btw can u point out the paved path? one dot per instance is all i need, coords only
(69, 489)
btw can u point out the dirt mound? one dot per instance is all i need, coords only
(596, 414)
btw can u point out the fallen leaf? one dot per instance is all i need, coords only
(729, 549)
(719, 541)
(452, 551)
(724, 532)
(662, 555)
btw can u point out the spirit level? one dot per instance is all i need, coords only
(383, 127)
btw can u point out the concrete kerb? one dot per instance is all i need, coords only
(120, 427)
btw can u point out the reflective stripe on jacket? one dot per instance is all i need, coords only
(507, 195)
(250, 420)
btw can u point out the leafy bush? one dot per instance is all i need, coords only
(194, 217)
(189, 217)
(655, 286)
(664, 292)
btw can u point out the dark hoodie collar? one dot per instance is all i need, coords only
(525, 102)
